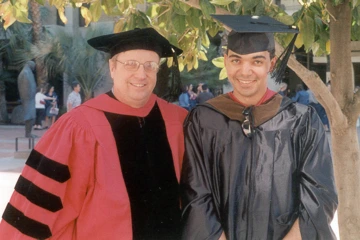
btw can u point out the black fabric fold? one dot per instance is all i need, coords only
(50, 168)
(38, 196)
(24, 224)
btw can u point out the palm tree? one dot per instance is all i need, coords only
(69, 54)
(37, 36)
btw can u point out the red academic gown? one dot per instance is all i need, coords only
(72, 185)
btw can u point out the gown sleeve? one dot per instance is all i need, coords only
(200, 217)
(318, 197)
(50, 191)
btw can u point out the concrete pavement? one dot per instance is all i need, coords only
(12, 162)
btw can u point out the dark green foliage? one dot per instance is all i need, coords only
(206, 72)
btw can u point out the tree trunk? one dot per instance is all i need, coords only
(34, 9)
(345, 143)
(345, 152)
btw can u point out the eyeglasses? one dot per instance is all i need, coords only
(246, 124)
(133, 65)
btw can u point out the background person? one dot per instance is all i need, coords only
(184, 99)
(319, 109)
(74, 98)
(257, 165)
(40, 98)
(193, 96)
(283, 89)
(109, 168)
(204, 95)
(301, 96)
(49, 104)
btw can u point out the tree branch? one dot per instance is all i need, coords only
(317, 86)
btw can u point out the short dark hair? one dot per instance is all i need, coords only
(299, 87)
(204, 87)
(74, 84)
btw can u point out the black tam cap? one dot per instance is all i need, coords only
(252, 34)
(146, 39)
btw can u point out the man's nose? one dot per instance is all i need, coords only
(245, 69)
(141, 72)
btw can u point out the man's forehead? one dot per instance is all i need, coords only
(263, 54)
(137, 53)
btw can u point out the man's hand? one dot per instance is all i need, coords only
(222, 237)
(294, 233)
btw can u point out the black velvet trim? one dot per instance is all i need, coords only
(149, 174)
(27, 226)
(50, 168)
(37, 195)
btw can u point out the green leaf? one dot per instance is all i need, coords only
(308, 31)
(165, 18)
(205, 39)
(221, 2)
(260, 9)
(95, 9)
(178, 22)
(354, 3)
(184, 6)
(213, 29)
(139, 20)
(223, 74)
(41, 2)
(21, 16)
(194, 18)
(315, 47)
(153, 10)
(355, 33)
(207, 8)
(284, 18)
(336, 2)
(357, 15)
(119, 26)
(249, 5)
(108, 6)
(86, 14)
(218, 62)
(173, 40)
(315, 9)
(177, 8)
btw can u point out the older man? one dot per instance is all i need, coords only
(108, 169)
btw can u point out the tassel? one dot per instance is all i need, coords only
(282, 61)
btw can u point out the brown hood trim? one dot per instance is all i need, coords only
(233, 110)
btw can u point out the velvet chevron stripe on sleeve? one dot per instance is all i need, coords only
(24, 224)
(38, 196)
(50, 168)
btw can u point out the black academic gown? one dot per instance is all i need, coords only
(255, 188)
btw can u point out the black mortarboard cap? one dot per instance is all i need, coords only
(146, 38)
(252, 34)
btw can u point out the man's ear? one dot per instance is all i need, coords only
(112, 66)
(273, 63)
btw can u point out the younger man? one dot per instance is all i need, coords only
(257, 165)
